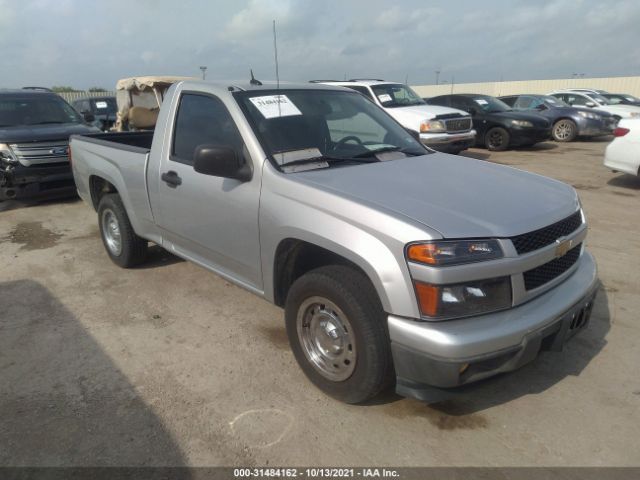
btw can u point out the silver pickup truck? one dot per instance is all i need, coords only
(394, 264)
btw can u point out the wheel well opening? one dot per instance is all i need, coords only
(98, 187)
(296, 257)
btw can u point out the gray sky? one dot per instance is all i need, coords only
(86, 43)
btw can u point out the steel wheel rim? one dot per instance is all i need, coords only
(563, 130)
(495, 139)
(326, 338)
(111, 232)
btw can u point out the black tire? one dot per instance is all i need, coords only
(133, 249)
(354, 296)
(497, 139)
(564, 130)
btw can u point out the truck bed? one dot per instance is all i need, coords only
(139, 142)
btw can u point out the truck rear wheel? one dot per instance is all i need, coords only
(337, 331)
(125, 248)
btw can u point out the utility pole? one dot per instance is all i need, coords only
(204, 71)
(437, 76)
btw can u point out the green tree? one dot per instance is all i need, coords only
(97, 89)
(61, 89)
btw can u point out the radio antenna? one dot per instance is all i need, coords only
(275, 50)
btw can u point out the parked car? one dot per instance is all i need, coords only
(567, 122)
(35, 126)
(99, 111)
(622, 99)
(392, 262)
(623, 153)
(443, 129)
(597, 102)
(498, 126)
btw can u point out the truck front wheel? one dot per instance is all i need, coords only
(125, 248)
(337, 331)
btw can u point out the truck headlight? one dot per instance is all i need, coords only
(521, 123)
(7, 155)
(452, 252)
(463, 299)
(432, 126)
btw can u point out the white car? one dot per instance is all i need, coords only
(623, 154)
(592, 99)
(441, 128)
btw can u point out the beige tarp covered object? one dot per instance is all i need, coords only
(142, 97)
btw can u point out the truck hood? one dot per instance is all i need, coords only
(456, 196)
(43, 133)
(410, 117)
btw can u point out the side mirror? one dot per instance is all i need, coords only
(542, 107)
(414, 134)
(220, 161)
(88, 116)
(590, 104)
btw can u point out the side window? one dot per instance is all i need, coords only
(615, 100)
(577, 100)
(511, 101)
(524, 103)
(363, 90)
(202, 120)
(459, 103)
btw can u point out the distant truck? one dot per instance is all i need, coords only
(441, 128)
(35, 125)
(394, 263)
(98, 111)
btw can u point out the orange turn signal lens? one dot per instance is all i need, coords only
(423, 253)
(428, 298)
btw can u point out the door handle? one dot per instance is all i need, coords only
(171, 178)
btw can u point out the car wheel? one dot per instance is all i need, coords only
(497, 139)
(337, 331)
(125, 248)
(564, 130)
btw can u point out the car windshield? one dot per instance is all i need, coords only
(396, 95)
(104, 106)
(36, 110)
(555, 102)
(302, 125)
(490, 104)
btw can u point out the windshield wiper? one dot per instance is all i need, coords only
(371, 153)
(329, 159)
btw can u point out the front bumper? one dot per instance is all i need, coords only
(436, 354)
(529, 136)
(449, 142)
(590, 127)
(20, 182)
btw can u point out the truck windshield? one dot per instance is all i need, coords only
(36, 110)
(307, 124)
(104, 106)
(393, 95)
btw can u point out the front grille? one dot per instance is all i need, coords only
(528, 242)
(538, 276)
(38, 153)
(458, 124)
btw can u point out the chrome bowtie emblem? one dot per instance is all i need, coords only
(562, 247)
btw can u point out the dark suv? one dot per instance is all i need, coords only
(99, 111)
(35, 126)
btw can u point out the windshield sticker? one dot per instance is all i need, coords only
(385, 97)
(481, 101)
(271, 106)
(101, 105)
